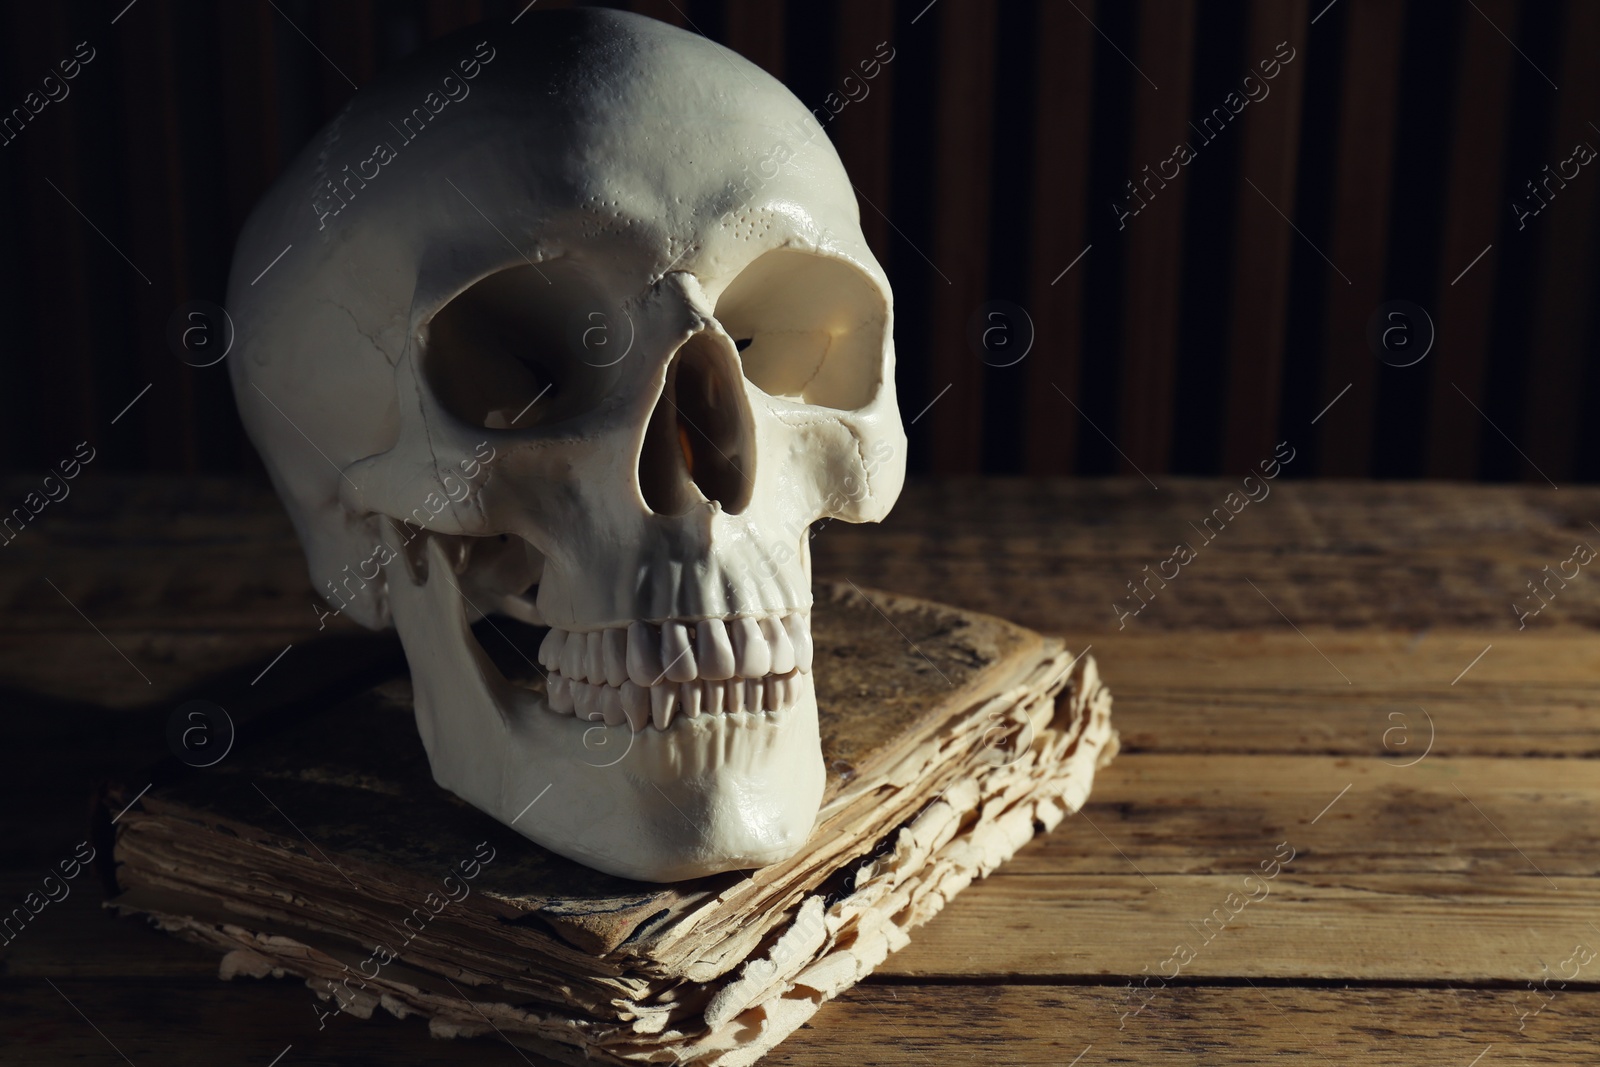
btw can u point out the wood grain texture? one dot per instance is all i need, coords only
(1416, 912)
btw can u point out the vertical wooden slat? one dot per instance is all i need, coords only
(1565, 287)
(60, 379)
(154, 206)
(1062, 101)
(960, 245)
(755, 31)
(861, 132)
(1359, 233)
(347, 33)
(253, 137)
(447, 16)
(1473, 213)
(1153, 278)
(1263, 245)
(665, 10)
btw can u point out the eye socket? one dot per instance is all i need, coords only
(524, 347)
(808, 327)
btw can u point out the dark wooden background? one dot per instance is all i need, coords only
(988, 153)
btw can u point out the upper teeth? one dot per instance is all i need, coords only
(645, 673)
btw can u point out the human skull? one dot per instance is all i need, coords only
(573, 321)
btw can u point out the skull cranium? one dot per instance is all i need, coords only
(577, 325)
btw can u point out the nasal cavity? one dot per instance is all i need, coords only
(699, 445)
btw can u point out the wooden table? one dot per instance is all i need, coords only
(1340, 673)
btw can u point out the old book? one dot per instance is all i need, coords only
(323, 849)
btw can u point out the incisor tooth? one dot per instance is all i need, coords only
(755, 694)
(713, 650)
(778, 641)
(550, 648)
(615, 654)
(572, 657)
(689, 699)
(644, 655)
(611, 706)
(587, 699)
(663, 702)
(774, 694)
(798, 627)
(559, 693)
(715, 697)
(677, 657)
(594, 665)
(635, 705)
(733, 695)
(751, 657)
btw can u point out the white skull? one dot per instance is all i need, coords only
(581, 304)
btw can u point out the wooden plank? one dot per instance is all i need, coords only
(1560, 344)
(861, 132)
(1263, 246)
(1272, 692)
(347, 33)
(1472, 216)
(1359, 230)
(755, 31)
(880, 1023)
(1152, 286)
(1194, 814)
(1300, 928)
(664, 10)
(1062, 128)
(960, 246)
(447, 16)
(250, 89)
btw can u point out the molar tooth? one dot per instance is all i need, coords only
(587, 699)
(798, 628)
(594, 666)
(715, 697)
(550, 648)
(572, 655)
(755, 694)
(689, 698)
(644, 655)
(611, 705)
(778, 641)
(663, 702)
(677, 657)
(614, 651)
(713, 649)
(751, 656)
(635, 705)
(558, 692)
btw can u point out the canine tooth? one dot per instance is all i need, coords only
(611, 706)
(635, 705)
(614, 651)
(550, 648)
(559, 693)
(587, 699)
(751, 657)
(778, 641)
(572, 655)
(733, 695)
(755, 694)
(676, 655)
(663, 702)
(689, 697)
(715, 697)
(798, 627)
(713, 649)
(594, 664)
(644, 655)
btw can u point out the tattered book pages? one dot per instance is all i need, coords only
(325, 851)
